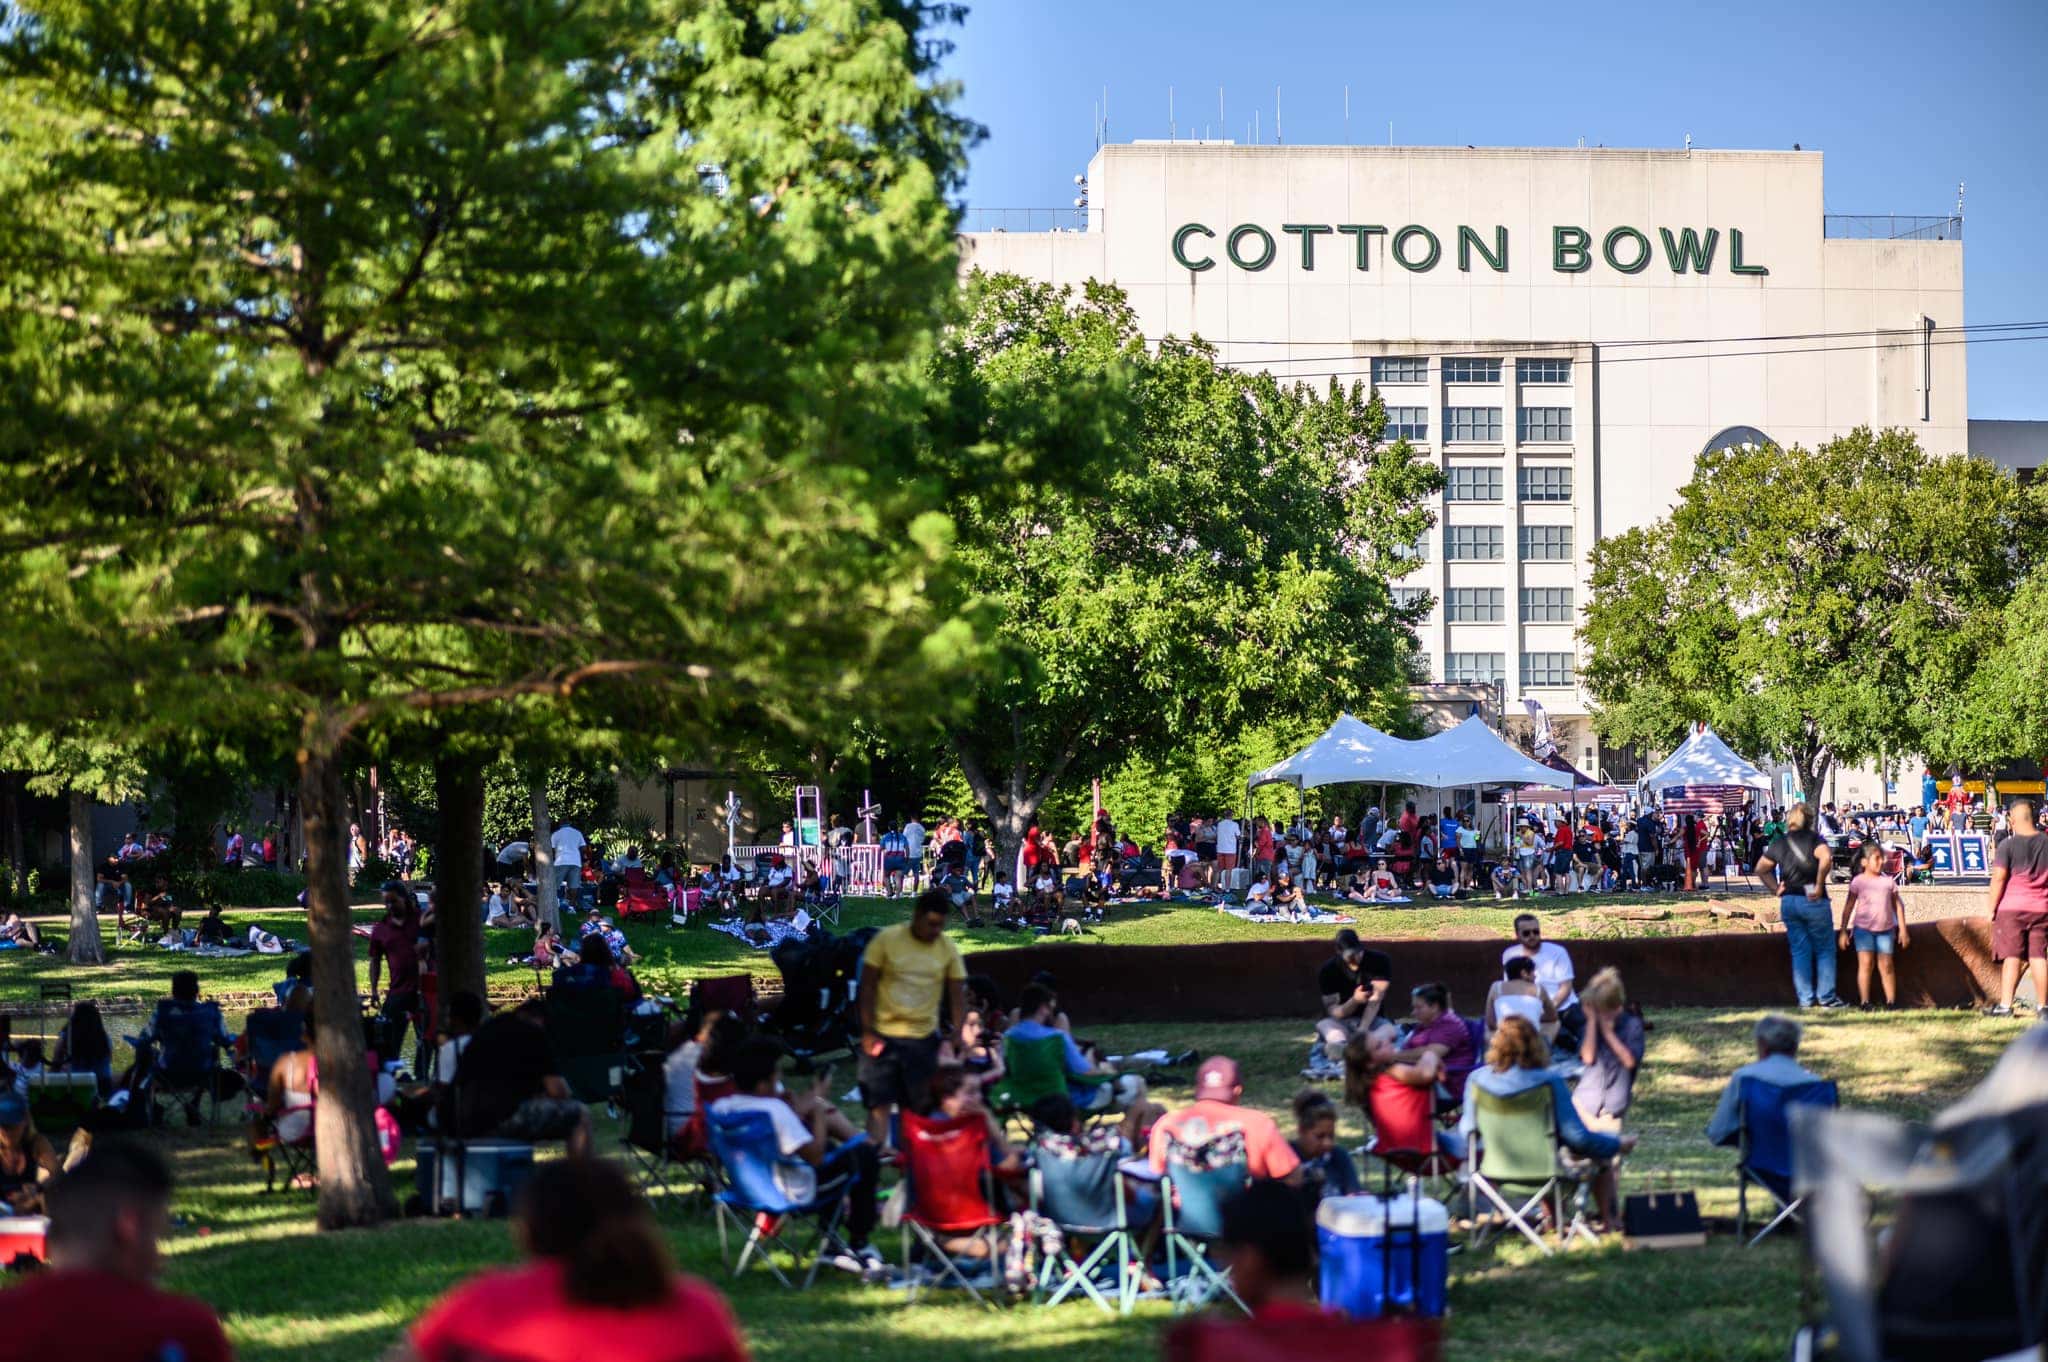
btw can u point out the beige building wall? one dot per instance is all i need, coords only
(1642, 407)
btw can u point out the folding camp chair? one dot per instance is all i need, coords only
(1199, 1179)
(745, 1145)
(1083, 1194)
(1036, 1069)
(268, 1034)
(587, 1035)
(643, 1103)
(945, 1165)
(187, 1066)
(1514, 1152)
(1766, 1146)
(59, 1102)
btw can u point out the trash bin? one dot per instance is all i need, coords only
(1368, 1272)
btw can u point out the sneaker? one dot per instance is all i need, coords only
(1832, 1003)
(1998, 1010)
(872, 1257)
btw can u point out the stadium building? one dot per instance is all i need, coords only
(1563, 330)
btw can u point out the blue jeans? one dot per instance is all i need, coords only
(1810, 932)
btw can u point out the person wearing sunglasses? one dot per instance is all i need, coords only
(1554, 975)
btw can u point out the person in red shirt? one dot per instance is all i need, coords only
(396, 940)
(597, 1283)
(99, 1299)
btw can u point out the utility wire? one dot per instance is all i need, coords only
(1651, 359)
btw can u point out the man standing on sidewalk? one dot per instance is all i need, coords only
(2019, 906)
(907, 971)
(1795, 868)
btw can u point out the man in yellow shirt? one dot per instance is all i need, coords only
(905, 972)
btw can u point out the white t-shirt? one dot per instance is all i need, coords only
(1227, 834)
(913, 838)
(1553, 967)
(1003, 891)
(794, 1178)
(446, 1056)
(679, 1085)
(568, 845)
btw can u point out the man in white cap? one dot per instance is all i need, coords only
(1215, 1113)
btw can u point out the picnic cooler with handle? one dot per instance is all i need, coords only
(22, 1235)
(481, 1176)
(1369, 1269)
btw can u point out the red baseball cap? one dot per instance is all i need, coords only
(1217, 1080)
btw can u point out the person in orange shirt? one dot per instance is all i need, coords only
(1215, 1113)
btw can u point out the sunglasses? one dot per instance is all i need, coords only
(1530, 931)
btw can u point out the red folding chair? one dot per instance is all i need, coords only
(945, 1164)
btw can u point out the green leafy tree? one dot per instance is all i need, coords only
(85, 766)
(366, 360)
(1201, 550)
(1815, 606)
(2002, 712)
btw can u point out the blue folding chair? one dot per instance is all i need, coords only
(188, 1048)
(1083, 1194)
(1766, 1146)
(272, 1033)
(1199, 1179)
(746, 1148)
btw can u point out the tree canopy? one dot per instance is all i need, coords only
(1817, 606)
(365, 360)
(1209, 551)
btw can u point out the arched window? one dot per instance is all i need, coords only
(1738, 435)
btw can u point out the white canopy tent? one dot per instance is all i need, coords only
(1349, 750)
(1703, 759)
(1472, 754)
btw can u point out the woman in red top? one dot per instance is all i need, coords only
(1694, 840)
(597, 1283)
(1398, 1099)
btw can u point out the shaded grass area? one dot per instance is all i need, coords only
(287, 1292)
(671, 958)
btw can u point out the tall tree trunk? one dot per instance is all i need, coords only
(458, 874)
(86, 948)
(355, 1188)
(10, 826)
(544, 855)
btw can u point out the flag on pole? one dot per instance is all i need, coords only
(1545, 748)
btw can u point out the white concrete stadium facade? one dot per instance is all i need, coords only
(1563, 330)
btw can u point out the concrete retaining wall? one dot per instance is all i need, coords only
(1948, 965)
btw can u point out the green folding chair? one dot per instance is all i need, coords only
(1034, 1069)
(1515, 1163)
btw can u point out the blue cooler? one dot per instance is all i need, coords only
(1368, 1272)
(490, 1172)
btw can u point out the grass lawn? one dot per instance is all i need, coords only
(672, 957)
(287, 1292)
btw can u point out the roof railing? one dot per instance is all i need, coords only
(1890, 227)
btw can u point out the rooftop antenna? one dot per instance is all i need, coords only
(1172, 129)
(1277, 136)
(1390, 132)
(1959, 200)
(1688, 144)
(1105, 113)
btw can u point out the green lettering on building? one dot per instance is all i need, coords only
(1685, 251)
(1571, 250)
(1735, 265)
(1265, 237)
(1409, 233)
(1496, 259)
(1415, 248)
(1364, 232)
(1308, 232)
(1642, 250)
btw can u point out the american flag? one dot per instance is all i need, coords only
(1706, 799)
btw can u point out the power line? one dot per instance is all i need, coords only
(1912, 331)
(1650, 359)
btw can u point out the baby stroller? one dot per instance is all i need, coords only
(818, 1013)
(1962, 1272)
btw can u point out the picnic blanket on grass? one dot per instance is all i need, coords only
(766, 936)
(1314, 917)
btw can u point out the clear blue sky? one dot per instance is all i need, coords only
(1904, 100)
